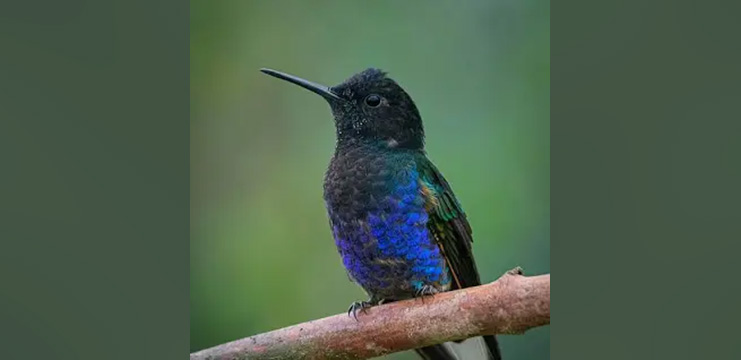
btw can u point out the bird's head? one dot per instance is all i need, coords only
(369, 107)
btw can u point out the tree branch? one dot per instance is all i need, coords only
(510, 305)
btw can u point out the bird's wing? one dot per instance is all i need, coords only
(448, 223)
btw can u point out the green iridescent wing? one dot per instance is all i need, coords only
(448, 224)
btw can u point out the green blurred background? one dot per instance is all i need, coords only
(262, 256)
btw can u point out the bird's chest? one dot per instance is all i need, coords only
(362, 182)
(379, 222)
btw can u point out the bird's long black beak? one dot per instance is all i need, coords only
(322, 90)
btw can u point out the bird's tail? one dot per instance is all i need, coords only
(436, 352)
(493, 346)
(445, 351)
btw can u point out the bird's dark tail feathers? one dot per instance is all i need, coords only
(493, 346)
(442, 352)
(436, 352)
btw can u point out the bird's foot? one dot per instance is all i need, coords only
(358, 306)
(426, 290)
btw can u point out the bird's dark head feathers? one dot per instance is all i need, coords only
(374, 108)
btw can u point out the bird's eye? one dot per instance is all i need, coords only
(373, 100)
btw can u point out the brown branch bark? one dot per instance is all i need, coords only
(510, 305)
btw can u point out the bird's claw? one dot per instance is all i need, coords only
(358, 306)
(426, 290)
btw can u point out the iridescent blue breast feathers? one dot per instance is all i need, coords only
(389, 250)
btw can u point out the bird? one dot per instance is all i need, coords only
(398, 227)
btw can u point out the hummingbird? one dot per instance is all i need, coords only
(398, 227)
